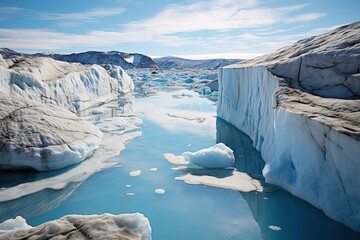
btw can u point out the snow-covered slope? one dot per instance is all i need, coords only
(42, 137)
(293, 104)
(124, 60)
(73, 86)
(176, 62)
(107, 226)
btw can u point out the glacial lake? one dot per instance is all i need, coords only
(174, 121)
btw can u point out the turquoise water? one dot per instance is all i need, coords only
(184, 211)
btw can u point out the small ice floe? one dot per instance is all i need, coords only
(135, 173)
(159, 191)
(188, 116)
(128, 186)
(129, 194)
(14, 224)
(153, 169)
(226, 179)
(274, 228)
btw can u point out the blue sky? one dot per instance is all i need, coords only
(195, 29)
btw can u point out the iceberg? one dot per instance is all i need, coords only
(43, 137)
(70, 85)
(107, 226)
(301, 107)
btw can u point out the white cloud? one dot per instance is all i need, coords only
(5, 10)
(307, 17)
(231, 25)
(77, 18)
(84, 16)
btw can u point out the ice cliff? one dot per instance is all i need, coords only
(300, 106)
(107, 226)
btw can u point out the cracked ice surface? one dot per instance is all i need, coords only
(310, 143)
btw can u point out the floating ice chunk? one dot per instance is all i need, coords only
(177, 160)
(159, 191)
(15, 223)
(135, 173)
(204, 91)
(237, 181)
(153, 169)
(274, 228)
(129, 194)
(218, 156)
(128, 186)
(188, 116)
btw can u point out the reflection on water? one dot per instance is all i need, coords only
(35, 204)
(278, 214)
(248, 159)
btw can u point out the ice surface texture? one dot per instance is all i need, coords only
(106, 226)
(42, 137)
(311, 144)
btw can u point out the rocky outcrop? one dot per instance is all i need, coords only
(82, 227)
(294, 107)
(327, 65)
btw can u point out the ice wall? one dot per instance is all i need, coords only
(310, 147)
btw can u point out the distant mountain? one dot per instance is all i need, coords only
(8, 53)
(127, 60)
(124, 60)
(176, 62)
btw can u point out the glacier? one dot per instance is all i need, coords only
(301, 107)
